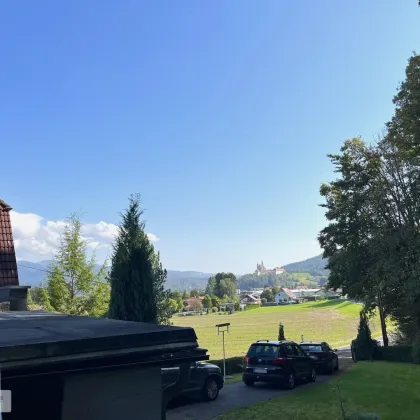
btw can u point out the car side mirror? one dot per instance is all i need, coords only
(335, 350)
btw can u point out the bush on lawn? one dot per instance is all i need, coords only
(402, 353)
(252, 306)
(214, 309)
(363, 346)
(233, 365)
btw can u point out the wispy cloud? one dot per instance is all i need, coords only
(37, 239)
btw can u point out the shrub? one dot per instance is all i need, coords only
(252, 306)
(214, 309)
(233, 365)
(263, 300)
(401, 353)
(281, 332)
(363, 346)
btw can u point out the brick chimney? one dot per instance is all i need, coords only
(10, 291)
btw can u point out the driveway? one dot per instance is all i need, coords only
(238, 395)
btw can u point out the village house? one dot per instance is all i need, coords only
(284, 297)
(249, 299)
(193, 304)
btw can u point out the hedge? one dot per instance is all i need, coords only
(233, 365)
(394, 353)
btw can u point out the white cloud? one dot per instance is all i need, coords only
(37, 239)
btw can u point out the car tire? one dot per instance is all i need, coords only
(291, 381)
(210, 390)
(312, 375)
(249, 382)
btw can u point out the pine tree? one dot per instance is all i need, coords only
(137, 276)
(73, 285)
(364, 342)
(164, 310)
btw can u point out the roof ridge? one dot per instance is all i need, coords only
(4, 205)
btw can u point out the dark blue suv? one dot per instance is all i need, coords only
(283, 362)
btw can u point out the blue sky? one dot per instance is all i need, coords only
(219, 113)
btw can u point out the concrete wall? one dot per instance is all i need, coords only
(124, 394)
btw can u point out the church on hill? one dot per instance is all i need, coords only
(273, 271)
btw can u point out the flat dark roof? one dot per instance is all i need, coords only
(36, 335)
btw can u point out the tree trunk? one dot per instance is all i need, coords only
(383, 320)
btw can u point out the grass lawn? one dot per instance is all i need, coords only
(332, 321)
(237, 377)
(391, 390)
(305, 279)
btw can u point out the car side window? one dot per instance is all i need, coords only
(326, 348)
(290, 350)
(300, 351)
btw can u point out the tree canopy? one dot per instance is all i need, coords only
(137, 276)
(372, 240)
(73, 285)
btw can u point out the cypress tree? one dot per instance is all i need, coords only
(364, 342)
(281, 332)
(132, 272)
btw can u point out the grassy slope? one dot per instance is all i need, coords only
(391, 390)
(305, 279)
(335, 322)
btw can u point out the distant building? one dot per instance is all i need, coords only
(261, 269)
(193, 304)
(250, 300)
(284, 296)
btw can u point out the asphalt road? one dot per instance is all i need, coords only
(238, 395)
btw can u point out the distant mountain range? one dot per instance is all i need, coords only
(32, 274)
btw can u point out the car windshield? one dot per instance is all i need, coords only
(312, 348)
(265, 350)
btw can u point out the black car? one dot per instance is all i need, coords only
(282, 362)
(206, 380)
(325, 357)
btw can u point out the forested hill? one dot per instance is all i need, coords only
(314, 266)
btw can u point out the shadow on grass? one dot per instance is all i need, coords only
(331, 302)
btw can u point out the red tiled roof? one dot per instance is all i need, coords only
(8, 267)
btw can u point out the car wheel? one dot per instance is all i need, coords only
(211, 390)
(291, 381)
(249, 382)
(312, 376)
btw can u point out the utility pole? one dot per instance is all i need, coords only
(222, 328)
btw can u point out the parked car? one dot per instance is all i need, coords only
(282, 362)
(325, 357)
(206, 380)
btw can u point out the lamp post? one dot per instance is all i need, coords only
(222, 328)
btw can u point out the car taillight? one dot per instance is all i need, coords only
(279, 361)
(246, 360)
